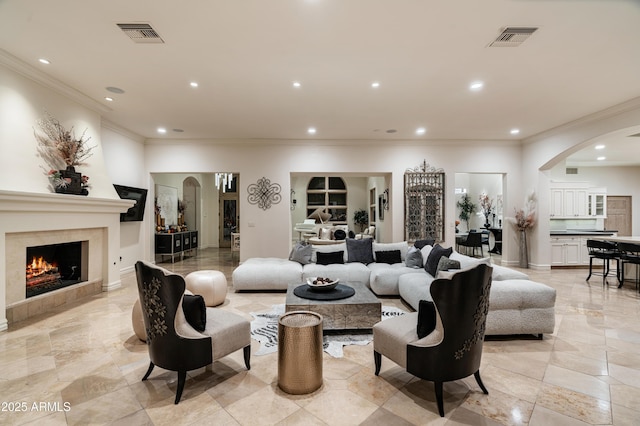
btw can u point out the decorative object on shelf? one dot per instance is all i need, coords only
(264, 193)
(424, 203)
(62, 152)
(486, 204)
(361, 218)
(467, 208)
(524, 219)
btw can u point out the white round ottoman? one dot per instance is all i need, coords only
(138, 322)
(211, 285)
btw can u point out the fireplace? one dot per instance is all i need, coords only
(54, 266)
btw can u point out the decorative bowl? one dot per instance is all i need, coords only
(323, 284)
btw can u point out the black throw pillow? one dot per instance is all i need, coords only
(329, 258)
(419, 244)
(426, 318)
(388, 256)
(195, 311)
(339, 234)
(436, 253)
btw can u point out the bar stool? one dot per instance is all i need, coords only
(606, 251)
(629, 253)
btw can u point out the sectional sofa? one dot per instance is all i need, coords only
(517, 305)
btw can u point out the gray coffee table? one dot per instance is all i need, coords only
(360, 311)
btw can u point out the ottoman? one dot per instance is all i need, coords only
(211, 285)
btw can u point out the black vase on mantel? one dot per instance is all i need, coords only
(75, 184)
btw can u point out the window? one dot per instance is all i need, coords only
(329, 194)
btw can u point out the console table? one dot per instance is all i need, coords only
(177, 243)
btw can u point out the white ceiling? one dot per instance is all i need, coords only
(245, 55)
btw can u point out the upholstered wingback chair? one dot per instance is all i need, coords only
(453, 350)
(172, 342)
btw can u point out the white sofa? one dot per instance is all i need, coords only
(517, 305)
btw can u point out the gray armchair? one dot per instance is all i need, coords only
(453, 350)
(173, 344)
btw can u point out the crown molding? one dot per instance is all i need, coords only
(49, 82)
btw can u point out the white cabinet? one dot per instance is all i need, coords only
(577, 201)
(566, 251)
(598, 205)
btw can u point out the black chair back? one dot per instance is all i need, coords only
(462, 304)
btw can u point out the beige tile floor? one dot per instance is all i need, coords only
(83, 365)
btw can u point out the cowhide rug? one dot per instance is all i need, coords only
(264, 329)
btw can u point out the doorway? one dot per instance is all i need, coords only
(229, 212)
(619, 214)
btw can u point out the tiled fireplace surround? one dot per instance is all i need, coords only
(33, 219)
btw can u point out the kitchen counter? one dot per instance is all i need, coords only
(573, 232)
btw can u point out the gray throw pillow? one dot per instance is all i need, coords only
(445, 264)
(301, 253)
(414, 258)
(360, 250)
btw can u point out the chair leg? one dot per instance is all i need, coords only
(377, 358)
(148, 371)
(247, 356)
(438, 388)
(182, 376)
(479, 380)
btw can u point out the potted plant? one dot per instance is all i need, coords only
(467, 208)
(361, 218)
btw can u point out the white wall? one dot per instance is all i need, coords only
(269, 232)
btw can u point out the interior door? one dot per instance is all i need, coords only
(619, 214)
(229, 214)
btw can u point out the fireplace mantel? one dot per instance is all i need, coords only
(36, 214)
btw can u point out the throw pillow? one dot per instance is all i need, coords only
(339, 234)
(389, 256)
(360, 250)
(414, 258)
(434, 257)
(446, 264)
(301, 253)
(421, 243)
(330, 258)
(195, 311)
(426, 318)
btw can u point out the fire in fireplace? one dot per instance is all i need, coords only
(52, 267)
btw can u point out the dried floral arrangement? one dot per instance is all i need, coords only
(525, 217)
(486, 204)
(59, 146)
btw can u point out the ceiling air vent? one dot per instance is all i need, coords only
(141, 33)
(571, 171)
(513, 36)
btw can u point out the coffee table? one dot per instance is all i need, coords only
(360, 311)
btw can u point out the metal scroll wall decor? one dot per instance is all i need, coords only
(424, 203)
(264, 193)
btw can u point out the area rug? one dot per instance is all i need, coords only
(264, 329)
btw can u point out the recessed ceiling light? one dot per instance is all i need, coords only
(311, 130)
(599, 147)
(601, 158)
(193, 84)
(375, 84)
(108, 99)
(44, 61)
(421, 131)
(515, 131)
(476, 85)
(162, 130)
(115, 90)
(297, 84)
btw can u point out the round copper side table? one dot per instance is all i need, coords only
(300, 352)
